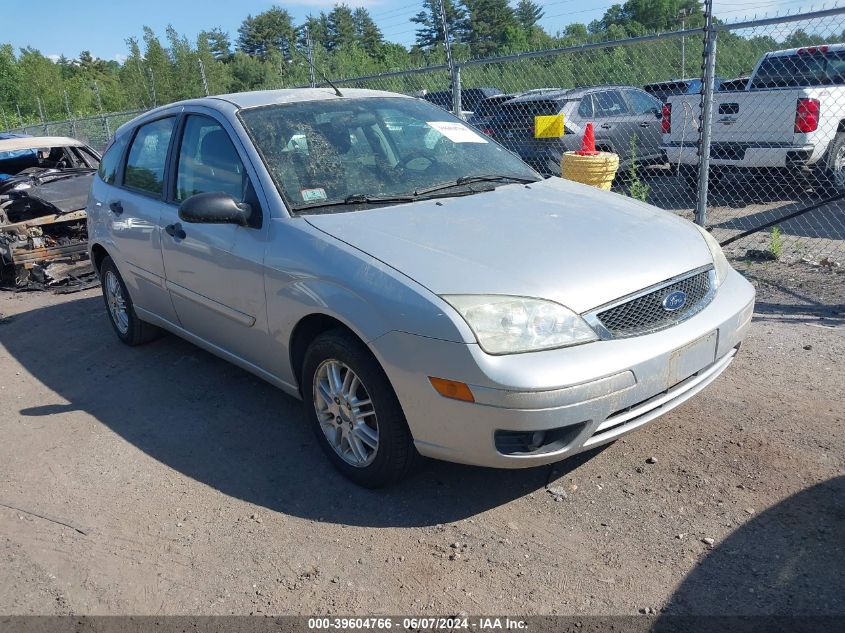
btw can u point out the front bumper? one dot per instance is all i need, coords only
(585, 395)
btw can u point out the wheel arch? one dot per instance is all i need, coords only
(306, 330)
(98, 254)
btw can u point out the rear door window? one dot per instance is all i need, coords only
(148, 156)
(585, 108)
(610, 103)
(111, 160)
(643, 103)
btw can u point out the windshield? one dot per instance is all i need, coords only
(801, 70)
(323, 153)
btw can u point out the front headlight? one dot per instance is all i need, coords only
(720, 262)
(509, 325)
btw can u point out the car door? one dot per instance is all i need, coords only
(612, 116)
(214, 271)
(647, 112)
(133, 203)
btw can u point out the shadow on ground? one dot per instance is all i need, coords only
(789, 560)
(229, 430)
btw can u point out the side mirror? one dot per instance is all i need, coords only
(658, 112)
(214, 207)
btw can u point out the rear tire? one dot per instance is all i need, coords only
(830, 172)
(354, 412)
(128, 327)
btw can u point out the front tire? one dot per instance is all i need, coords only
(354, 412)
(128, 327)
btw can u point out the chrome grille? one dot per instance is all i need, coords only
(646, 313)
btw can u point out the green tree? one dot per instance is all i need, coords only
(217, 71)
(490, 22)
(430, 28)
(249, 73)
(266, 32)
(217, 42)
(10, 78)
(159, 69)
(368, 34)
(528, 14)
(340, 28)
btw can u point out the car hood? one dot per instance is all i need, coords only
(553, 239)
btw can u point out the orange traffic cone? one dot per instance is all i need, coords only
(588, 142)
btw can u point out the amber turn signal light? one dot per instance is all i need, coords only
(452, 389)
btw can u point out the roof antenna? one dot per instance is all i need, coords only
(315, 69)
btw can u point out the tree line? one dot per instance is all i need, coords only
(269, 51)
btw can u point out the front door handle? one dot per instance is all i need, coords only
(606, 126)
(175, 231)
(116, 207)
(645, 124)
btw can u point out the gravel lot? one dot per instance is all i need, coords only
(190, 487)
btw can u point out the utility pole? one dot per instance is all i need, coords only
(453, 71)
(70, 115)
(20, 116)
(312, 80)
(204, 80)
(683, 14)
(41, 114)
(708, 68)
(152, 86)
(100, 108)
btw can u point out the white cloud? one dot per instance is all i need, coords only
(119, 58)
(53, 57)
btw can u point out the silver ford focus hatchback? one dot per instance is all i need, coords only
(419, 287)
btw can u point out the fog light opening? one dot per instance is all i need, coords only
(535, 440)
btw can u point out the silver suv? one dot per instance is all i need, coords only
(623, 118)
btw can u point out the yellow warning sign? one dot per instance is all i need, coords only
(548, 126)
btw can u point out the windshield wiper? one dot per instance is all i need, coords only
(466, 180)
(357, 198)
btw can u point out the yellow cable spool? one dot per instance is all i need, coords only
(597, 170)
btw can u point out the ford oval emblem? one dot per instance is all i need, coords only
(674, 300)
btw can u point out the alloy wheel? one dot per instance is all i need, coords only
(345, 412)
(116, 302)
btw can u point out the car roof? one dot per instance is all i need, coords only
(37, 142)
(567, 93)
(832, 48)
(258, 98)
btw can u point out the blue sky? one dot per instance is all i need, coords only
(63, 27)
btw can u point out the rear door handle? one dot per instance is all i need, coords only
(175, 231)
(606, 126)
(645, 124)
(116, 207)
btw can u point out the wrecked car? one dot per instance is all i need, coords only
(44, 184)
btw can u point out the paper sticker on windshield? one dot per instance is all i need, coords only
(312, 195)
(456, 132)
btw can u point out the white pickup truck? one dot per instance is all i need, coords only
(790, 120)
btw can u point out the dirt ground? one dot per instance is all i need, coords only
(187, 486)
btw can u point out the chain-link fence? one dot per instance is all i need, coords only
(94, 130)
(767, 97)
(777, 142)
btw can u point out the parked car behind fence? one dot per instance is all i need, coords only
(622, 116)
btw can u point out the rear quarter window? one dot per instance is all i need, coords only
(111, 160)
